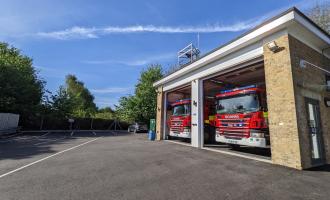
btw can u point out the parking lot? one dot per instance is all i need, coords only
(117, 165)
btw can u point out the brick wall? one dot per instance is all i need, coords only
(307, 83)
(160, 113)
(282, 111)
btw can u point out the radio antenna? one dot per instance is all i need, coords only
(198, 40)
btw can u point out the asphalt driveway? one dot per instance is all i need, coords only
(111, 165)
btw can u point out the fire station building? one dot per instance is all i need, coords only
(289, 56)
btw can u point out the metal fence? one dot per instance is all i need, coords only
(8, 122)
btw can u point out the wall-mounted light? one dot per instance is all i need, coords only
(273, 46)
(327, 79)
(327, 102)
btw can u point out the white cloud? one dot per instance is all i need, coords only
(134, 62)
(74, 32)
(120, 90)
(85, 32)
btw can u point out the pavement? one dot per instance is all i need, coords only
(117, 165)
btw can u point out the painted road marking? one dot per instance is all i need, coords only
(48, 141)
(35, 162)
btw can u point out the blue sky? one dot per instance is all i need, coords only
(106, 43)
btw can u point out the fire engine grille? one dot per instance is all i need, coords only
(176, 126)
(235, 128)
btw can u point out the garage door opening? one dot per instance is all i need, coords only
(235, 112)
(178, 115)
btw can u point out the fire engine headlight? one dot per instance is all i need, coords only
(186, 130)
(257, 134)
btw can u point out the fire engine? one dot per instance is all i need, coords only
(180, 121)
(242, 117)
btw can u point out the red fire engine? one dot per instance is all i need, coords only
(241, 117)
(180, 120)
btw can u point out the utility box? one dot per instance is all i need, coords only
(152, 126)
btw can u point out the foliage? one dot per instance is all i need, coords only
(62, 104)
(141, 106)
(20, 88)
(105, 113)
(82, 100)
(320, 14)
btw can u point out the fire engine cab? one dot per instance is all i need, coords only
(241, 117)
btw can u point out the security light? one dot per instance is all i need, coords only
(327, 102)
(273, 46)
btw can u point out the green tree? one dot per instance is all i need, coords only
(105, 113)
(145, 93)
(127, 109)
(83, 100)
(62, 104)
(141, 106)
(320, 14)
(20, 87)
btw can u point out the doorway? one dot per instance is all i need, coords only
(315, 131)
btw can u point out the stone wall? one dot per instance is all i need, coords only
(308, 82)
(282, 110)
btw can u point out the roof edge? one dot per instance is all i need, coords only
(292, 9)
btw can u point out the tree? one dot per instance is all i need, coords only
(62, 104)
(82, 99)
(127, 109)
(141, 106)
(320, 14)
(105, 113)
(20, 87)
(145, 93)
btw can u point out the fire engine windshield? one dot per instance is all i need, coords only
(238, 104)
(181, 110)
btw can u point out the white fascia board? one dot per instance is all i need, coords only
(311, 27)
(237, 44)
(215, 67)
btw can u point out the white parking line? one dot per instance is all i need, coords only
(35, 162)
(48, 141)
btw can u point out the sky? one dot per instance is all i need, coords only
(107, 43)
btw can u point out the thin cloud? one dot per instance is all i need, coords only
(78, 32)
(87, 33)
(109, 90)
(138, 62)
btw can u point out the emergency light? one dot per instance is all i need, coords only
(182, 100)
(239, 88)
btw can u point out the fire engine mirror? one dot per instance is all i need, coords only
(327, 102)
(195, 103)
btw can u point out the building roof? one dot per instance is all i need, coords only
(294, 10)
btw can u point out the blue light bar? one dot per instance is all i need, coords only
(183, 100)
(240, 88)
